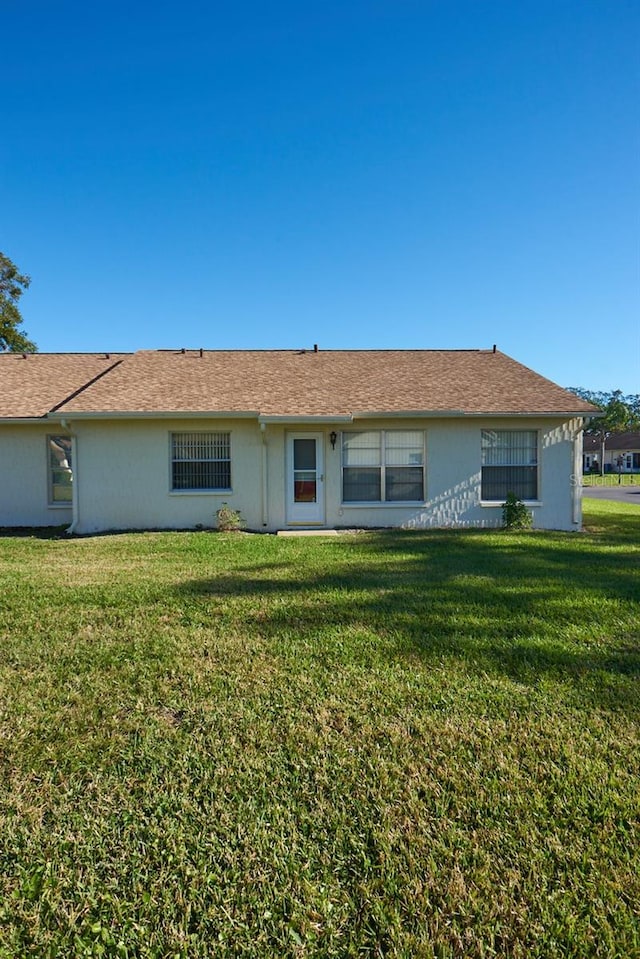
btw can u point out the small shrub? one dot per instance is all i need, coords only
(229, 520)
(515, 514)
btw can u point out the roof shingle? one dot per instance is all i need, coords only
(32, 384)
(614, 441)
(283, 383)
(325, 383)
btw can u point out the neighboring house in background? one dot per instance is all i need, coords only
(621, 453)
(293, 439)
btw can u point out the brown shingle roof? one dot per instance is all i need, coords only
(615, 441)
(32, 384)
(324, 383)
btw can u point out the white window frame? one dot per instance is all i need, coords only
(52, 469)
(198, 490)
(536, 501)
(383, 466)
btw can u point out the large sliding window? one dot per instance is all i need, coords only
(383, 466)
(60, 471)
(200, 461)
(509, 464)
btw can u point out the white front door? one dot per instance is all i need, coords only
(305, 479)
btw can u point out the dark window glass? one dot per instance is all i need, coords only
(361, 484)
(304, 488)
(201, 475)
(304, 454)
(497, 481)
(400, 478)
(404, 483)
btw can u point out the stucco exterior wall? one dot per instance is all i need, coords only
(623, 461)
(24, 477)
(453, 478)
(123, 475)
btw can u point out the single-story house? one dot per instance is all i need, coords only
(290, 438)
(621, 452)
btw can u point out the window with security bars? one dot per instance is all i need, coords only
(60, 470)
(383, 466)
(200, 461)
(509, 464)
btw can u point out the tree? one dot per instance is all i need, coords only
(621, 414)
(12, 286)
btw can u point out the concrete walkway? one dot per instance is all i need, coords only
(307, 532)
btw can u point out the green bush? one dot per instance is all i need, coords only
(229, 520)
(515, 514)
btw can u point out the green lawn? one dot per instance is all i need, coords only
(375, 745)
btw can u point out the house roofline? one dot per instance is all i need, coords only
(24, 420)
(454, 414)
(283, 419)
(274, 418)
(155, 415)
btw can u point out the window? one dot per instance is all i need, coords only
(509, 464)
(60, 472)
(305, 476)
(381, 466)
(200, 461)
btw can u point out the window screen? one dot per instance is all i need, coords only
(509, 464)
(201, 461)
(383, 466)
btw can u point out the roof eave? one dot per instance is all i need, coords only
(284, 418)
(24, 420)
(62, 414)
(443, 414)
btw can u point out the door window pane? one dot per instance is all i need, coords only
(304, 454)
(304, 487)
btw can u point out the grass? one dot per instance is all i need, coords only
(378, 745)
(611, 479)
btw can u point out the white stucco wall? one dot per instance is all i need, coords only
(24, 477)
(453, 477)
(123, 475)
(611, 459)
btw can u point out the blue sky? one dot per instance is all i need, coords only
(360, 175)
